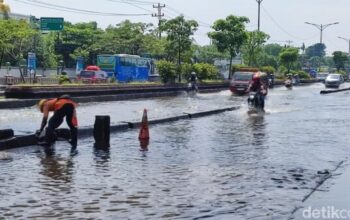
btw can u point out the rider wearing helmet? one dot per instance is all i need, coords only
(193, 81)
(259, 86)
(62, 107)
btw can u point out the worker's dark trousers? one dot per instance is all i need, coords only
(56, 120)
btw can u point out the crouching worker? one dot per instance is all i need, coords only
(62, 107)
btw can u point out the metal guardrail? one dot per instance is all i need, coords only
(10, 80)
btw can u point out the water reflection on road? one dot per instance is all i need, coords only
(227, 166)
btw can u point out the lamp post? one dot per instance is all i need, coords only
(60, 67)
(259, 2)
(8, 68)
(346, 39)
(321, 27)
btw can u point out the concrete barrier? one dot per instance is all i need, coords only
(30, 140)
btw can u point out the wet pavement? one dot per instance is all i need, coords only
(227, 166)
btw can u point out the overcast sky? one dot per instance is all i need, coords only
(283, 20)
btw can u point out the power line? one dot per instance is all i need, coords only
(132, 4)
(72, 10)
(281, 28)
(199, 21)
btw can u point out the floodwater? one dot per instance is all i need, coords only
(226, 166)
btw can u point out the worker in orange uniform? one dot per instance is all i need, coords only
(63, 107)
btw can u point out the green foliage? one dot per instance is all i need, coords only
(63, 78)
(316, 50)
(166, 70)
(186, 70)
(273, 49)
(15, 38)
(236, 67)
(178, 32)
(268, 69)
(301, 74)
(282, 70)
(208, 54)
(230, 35)
(253, 47)
(340, 58)
(288, 57)
(205, 71)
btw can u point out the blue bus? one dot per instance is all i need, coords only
(125, 67)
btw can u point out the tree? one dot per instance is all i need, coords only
(316, 50)
(15, 39)
(208, 54)
(273, 49)
(340, 58)
(288, 57)
(178, 32)
(229, 35)
(253, 47)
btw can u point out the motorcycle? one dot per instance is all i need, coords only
(288, 83)
(192, 88)
(255, 103)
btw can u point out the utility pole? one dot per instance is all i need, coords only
(259, 2)
(159, 15)
(321, 27)
(348, 40)
(289, 42)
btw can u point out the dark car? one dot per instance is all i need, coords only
(89, 76)
(240, 82)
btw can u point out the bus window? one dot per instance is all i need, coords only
(127, 61)
(143, 62)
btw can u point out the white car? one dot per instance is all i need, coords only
(334, 80)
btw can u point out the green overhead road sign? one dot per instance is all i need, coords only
(51, 24)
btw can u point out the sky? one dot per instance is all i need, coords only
(283, 20)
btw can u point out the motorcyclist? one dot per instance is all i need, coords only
(193, 80)
(259, 86)
(289, 81)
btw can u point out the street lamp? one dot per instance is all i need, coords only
(259, 2)
(321, 27)
(60, 67)
(8, 68)
(348, 40)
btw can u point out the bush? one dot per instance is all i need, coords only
(302, 74)
(236, 67)
(166, 70)
(63, 78)
(206, 71)
(282, 70)
(186, 70)
(268, 69)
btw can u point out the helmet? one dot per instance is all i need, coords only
(256, 76)
(65, 96)
(193, 73)
(41, 104)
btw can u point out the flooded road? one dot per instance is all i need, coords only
(227, 166)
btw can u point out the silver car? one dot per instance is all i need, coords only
(334, 80)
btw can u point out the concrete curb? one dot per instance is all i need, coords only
(30, 140)
(22, 103)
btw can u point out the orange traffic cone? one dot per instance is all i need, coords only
(144, 132)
